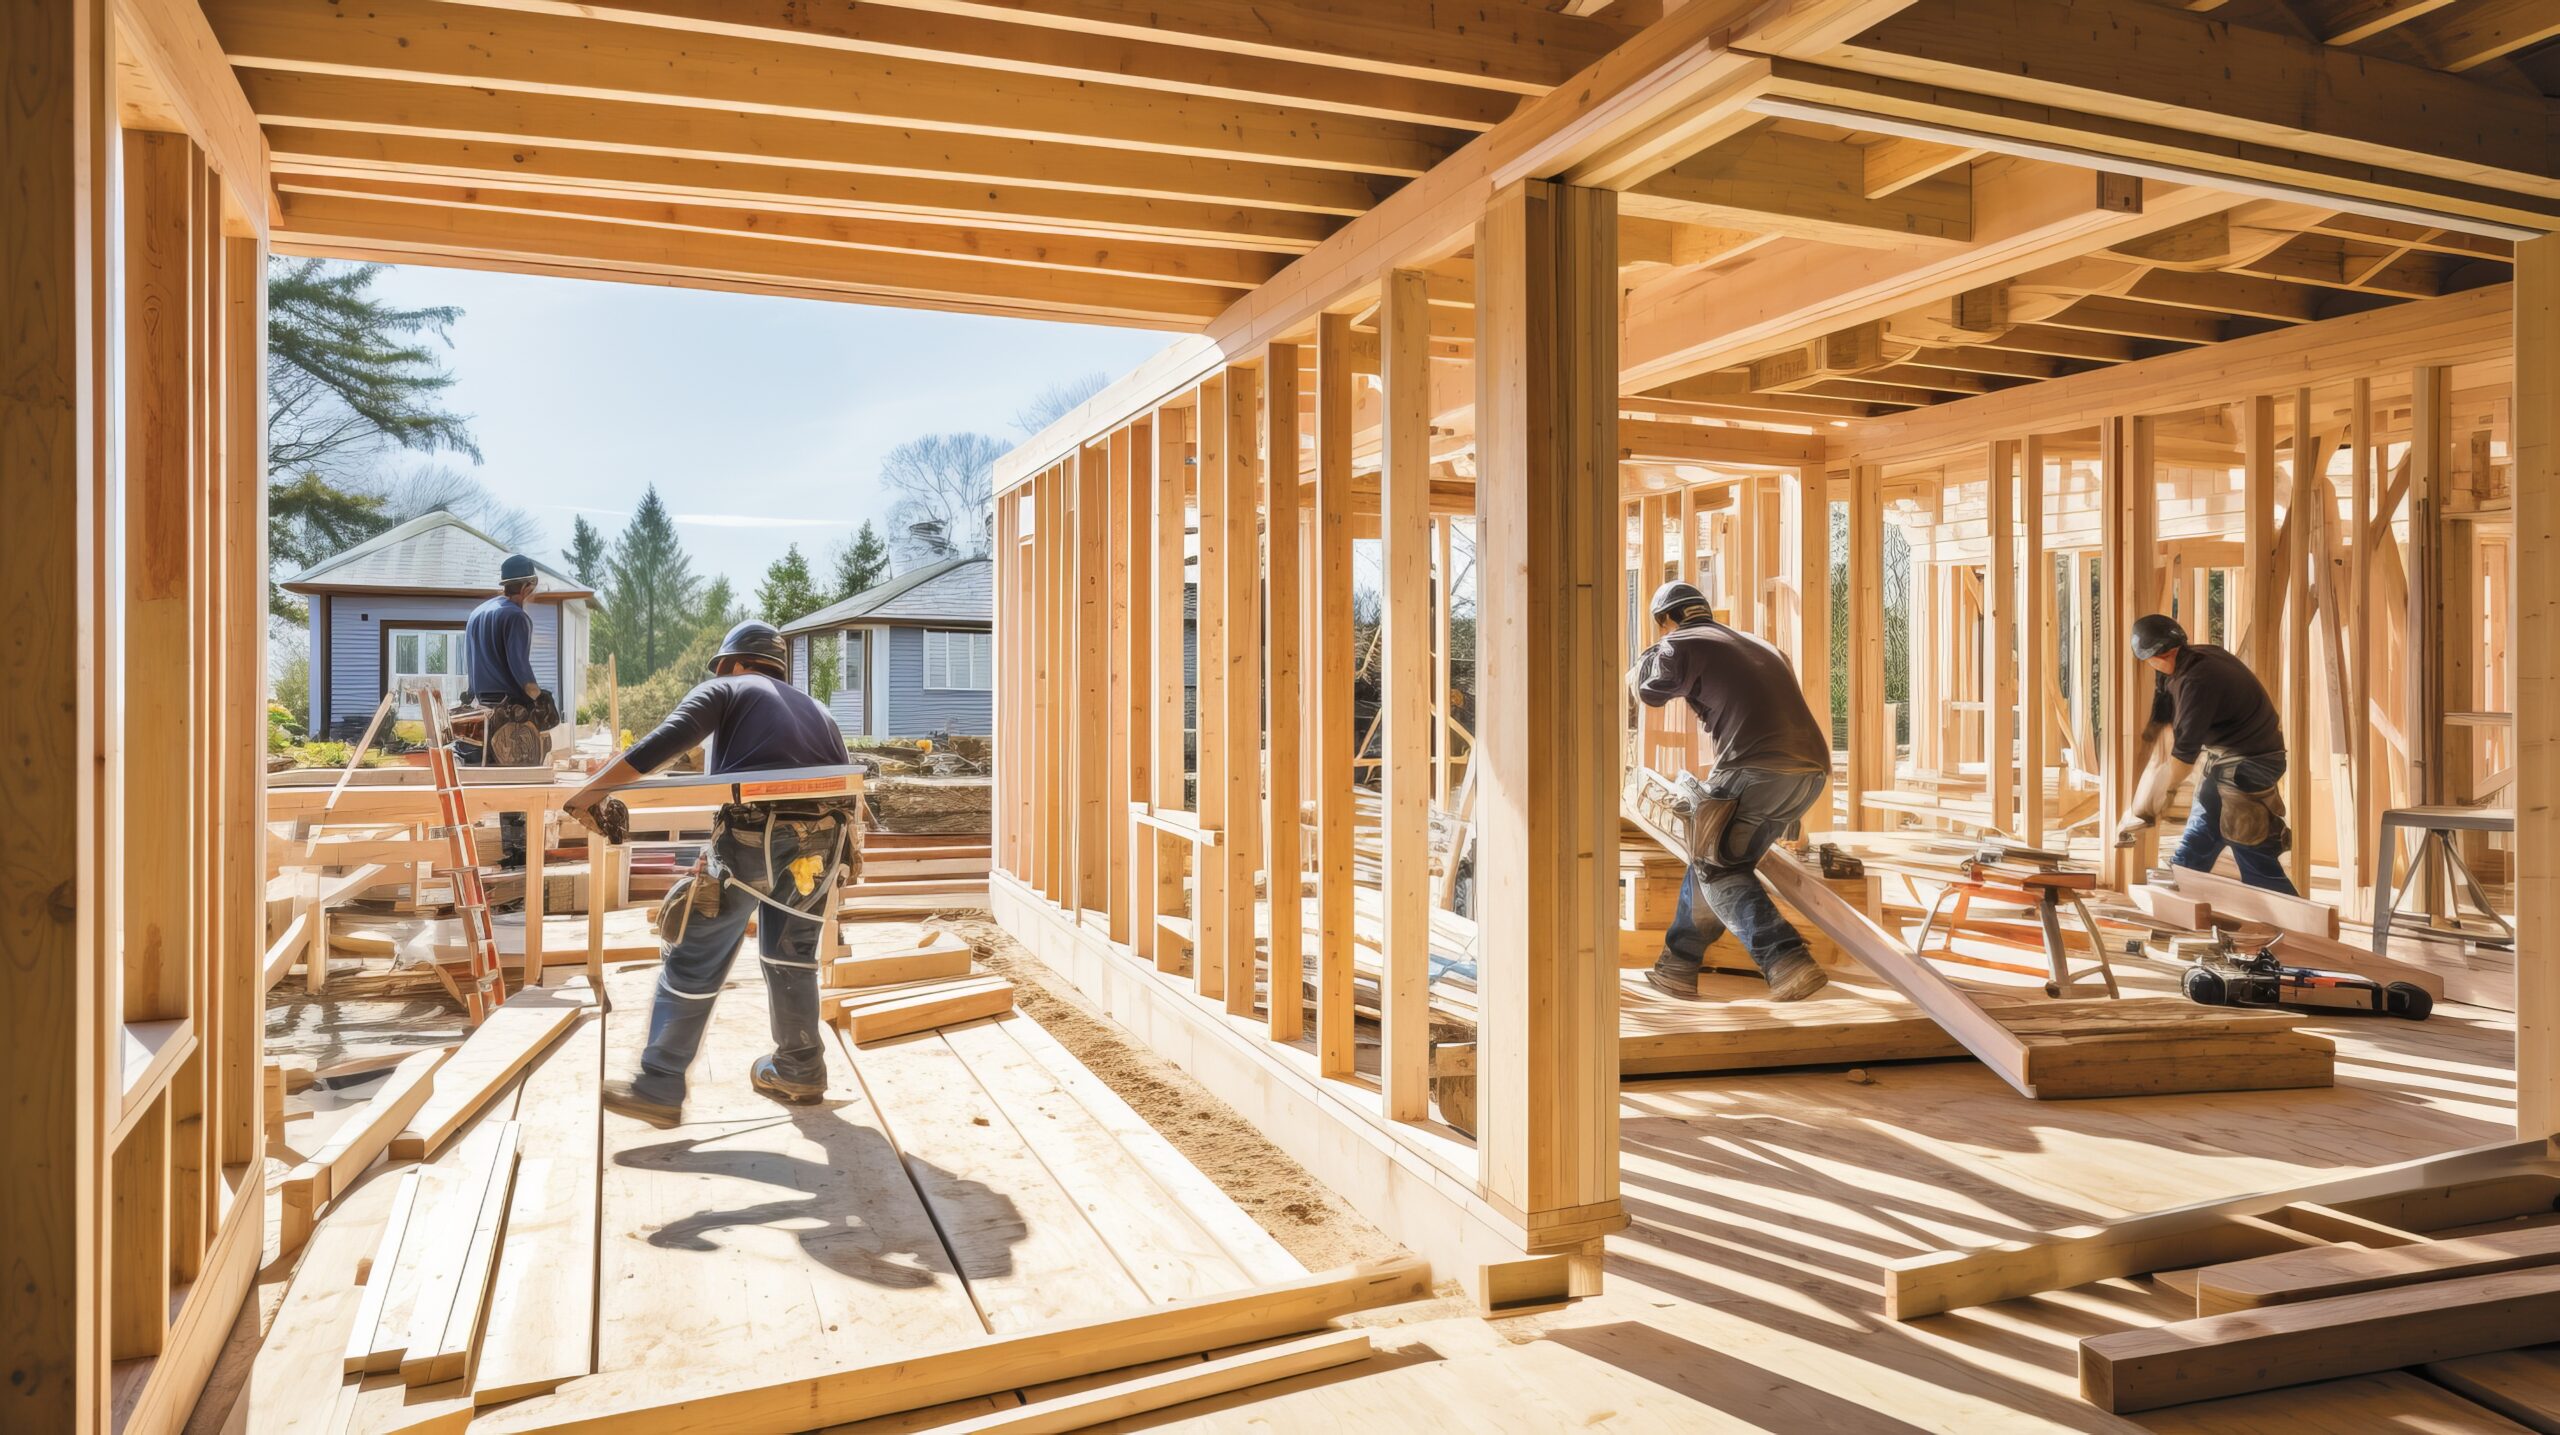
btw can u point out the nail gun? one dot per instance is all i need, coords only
(2243, 968)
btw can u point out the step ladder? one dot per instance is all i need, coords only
(480, 982)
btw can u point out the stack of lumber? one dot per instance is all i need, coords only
(2448, 971)
(876, 995)
(920, 874)
(971, 1232)
(2358, 1295)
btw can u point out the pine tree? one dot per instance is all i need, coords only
(861, 564)
(586, 551)
(787, 591)
(650, 592)
(718, 610)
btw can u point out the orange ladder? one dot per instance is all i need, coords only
(484, 984)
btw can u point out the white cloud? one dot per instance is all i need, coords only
(757, 520)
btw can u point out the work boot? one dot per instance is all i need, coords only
(1671, 983)
(627, 1098)
(1795, 976)
(764, 1078)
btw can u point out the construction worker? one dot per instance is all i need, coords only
(2216, 710)
(1773, 763)
(775, 863)
(498, 643)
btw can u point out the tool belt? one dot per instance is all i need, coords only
(513, 735)
(1709, 817)
(2250, 816)
(828, 836)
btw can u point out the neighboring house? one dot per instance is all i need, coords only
(915, 655)
(393, 606)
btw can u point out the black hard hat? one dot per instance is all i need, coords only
(1679, 602)
(756, 639)
(514, 567)
(2155, 634)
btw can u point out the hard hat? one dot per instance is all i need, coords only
(2155, 634)
(1677, 601)
(756, 639)
(514, 567)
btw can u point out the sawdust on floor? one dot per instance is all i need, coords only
(1308, 1220)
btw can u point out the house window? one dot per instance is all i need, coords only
(960, 661)
(434, 654)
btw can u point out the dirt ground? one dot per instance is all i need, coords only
(1304, 1217)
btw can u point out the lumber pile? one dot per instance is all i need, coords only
(878, 995)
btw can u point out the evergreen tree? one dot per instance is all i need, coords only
(863, 563)
(586, 552)
(788, 592)
(652, 597)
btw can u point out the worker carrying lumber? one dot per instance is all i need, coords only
(1773, 763)
(775, 862)
(2216, 711)
(497, 642)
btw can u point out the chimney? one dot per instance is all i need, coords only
(925, 544)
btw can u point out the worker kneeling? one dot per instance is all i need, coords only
(2216, 711)
(776, 863)
(1773, 763)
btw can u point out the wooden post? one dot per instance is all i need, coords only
(1334, 735)
(2536, 645)
(2423, 661)
(2265, 586)
(1742, 558)
(1444, 727)
(2125, 580)
(1999, 641)
(1133, 662)
(2084, 743)
(1651, 722)
(1870, 745)
(1284, 828)
(1404, 678)
(1168, 770)
(2355, 872)
(1214, 746)
(1240, 591)
(1808, 514)
(2035, 647)
(1091, 615)
(2309, 454)
(1547, 782)
(1123, 732)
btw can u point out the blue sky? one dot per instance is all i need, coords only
(761, 420)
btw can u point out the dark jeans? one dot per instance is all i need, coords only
(696, 963)
(2203, 841)
(1766, 806)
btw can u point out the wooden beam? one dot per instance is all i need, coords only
(1089, 704)
(1546, 773)
(1335, 798)
(2000, 637)
(1871, 745)
(1404, 669)
(1168, 769)
(1005, 50)
(1806, 503)
(1182, 1383)
(1239, 595)
(2467, 37)
(2318, 1273)
(1214, 747)
(2036, 647)
(178, 51)
(1660, 440)
(1893, 164)
(1284, 858)
(1808, 188)
(2535, 642)
(436, 43)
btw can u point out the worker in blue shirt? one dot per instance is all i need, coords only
(774, 862)
(498, 641)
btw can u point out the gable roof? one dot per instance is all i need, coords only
(951, 590)
(431, 553)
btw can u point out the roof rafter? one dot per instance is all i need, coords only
(1806, 187)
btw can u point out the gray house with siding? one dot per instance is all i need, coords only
(913, 656)
(393, 606)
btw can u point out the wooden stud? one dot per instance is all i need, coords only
(2535, 641)
(1333, 728)
(1215, 745)
(1283, 856)
(2361, 626)
(1119, 734)
(1870, 741)
(1404, 673)
(1170, 519)
(1240, 592)
(1547, 778)
(1808, 510)
(2310, 455)
(2000, 635)
(1092, 721)
(2035, 647)
(1133, 910)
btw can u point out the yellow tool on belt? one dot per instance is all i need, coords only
(805, 872)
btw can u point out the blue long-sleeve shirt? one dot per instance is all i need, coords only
(499, 640)
(753, 723)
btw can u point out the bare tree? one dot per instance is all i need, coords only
(1051, 404)
(424, 490)
(944, 478)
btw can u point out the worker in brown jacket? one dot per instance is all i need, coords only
(2217, 714)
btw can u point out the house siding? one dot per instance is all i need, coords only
(920, 710)
(354, 643)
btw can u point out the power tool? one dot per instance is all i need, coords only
(2243, 968)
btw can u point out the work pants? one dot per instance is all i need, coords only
(696, 962)
(2203, 841)
(1766, 806)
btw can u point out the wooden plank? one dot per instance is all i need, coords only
(1333, 734)
(1192, 1381)
(2535, 643)
(2320, 1272)
(2522, 1385)
(2242, 901)
(2396, 1400)
(2036, 647)
(2000, 640)
(1124, 734)
(926, 1011)
(2132, 1370)
(542, 1306)
(299, 1367)
(1404, 670)
(946, 956)
(1240, 590)
(2310, 456)
(444, 1329)
(487, 1060)
(1284, 858)
(308, 1190)
(2183, 1235)
(1870, 744)
(1168, 770)
(644, 1401)
(1213, 745)
(379, 1265)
